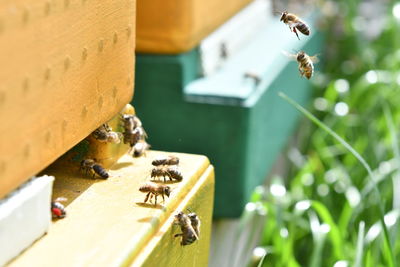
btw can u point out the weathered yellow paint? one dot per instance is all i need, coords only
(107, 224)
(66, 67)
(176, 26)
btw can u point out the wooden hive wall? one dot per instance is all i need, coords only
(66, 67)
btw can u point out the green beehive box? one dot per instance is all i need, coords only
(241, 125)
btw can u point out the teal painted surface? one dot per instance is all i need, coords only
(239, 126)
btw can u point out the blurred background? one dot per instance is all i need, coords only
(322, 206)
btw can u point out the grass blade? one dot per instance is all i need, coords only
(320, 124)
(360, 245)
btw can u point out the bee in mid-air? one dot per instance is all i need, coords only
(195, 220)
(188, 234)
(165, 160)
(306, 66)
(140, 148)
(94, 168)
(172, 172)
(294, 23)
(105, 134)
(155, 190)
(57, 209)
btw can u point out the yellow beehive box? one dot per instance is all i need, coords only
(176, 26)
(108, 223)
(66, 67)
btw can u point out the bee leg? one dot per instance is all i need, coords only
(147, 197)
(155, 203)
(294, 30)
(176, 235)
(163, 199)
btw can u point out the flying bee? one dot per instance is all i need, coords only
(165, 160)
(171, 172)
(140, 148)
(188, 233)
(155, 190)
(132, 137)
(306, 66)
(195, 221)
(94, 168)
(57, 209)
(294, 23)
(105, 134)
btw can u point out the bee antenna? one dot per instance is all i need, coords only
(189, 210)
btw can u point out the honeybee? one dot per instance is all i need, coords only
(140, 148)
(171, 172)
(165, 160)
(131, 122)
(195, 220)
(105, 134)
(133, 130)
(294, 23)
(91, 166)
(153, 189)
(188, 234)
(306, 66)
(57, 209)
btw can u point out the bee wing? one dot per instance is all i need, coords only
(315, 58)
(291, 56)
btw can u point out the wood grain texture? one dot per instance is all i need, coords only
(107, 224)
(176, 26)
(66, 67)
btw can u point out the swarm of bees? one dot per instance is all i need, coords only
(190, 227)
(306, 66)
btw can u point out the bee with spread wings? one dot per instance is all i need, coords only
(306, 63)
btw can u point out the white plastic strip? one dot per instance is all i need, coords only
(24, 216)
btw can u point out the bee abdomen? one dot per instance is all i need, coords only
(303, 28)
(100, 171)
(176, 175)
(170, 160)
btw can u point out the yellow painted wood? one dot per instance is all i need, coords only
(105, 153)
(66, 67)
(176, 26)
(107, 225)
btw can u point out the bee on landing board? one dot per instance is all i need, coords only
(57, 209)
(165, 160)
(188, 234)
(94, 168)
(295, 23)
(155, 190)
(105, 134)
(172, 172)
(306, 66)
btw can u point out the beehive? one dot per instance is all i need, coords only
(67, 67)
(176, 26)
(107, 223)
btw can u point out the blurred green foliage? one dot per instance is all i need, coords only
(327, 212)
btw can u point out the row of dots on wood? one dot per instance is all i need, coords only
(27, 15)
(48, 73)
